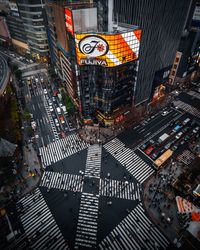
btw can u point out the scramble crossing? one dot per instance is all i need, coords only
(92, 187)
(133, 163)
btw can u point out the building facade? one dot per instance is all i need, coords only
(33, 16)
(103, 66)
(162, 23)
(16, 29)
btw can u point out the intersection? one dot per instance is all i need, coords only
(95, 198)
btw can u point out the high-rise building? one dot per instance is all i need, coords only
(16, 29)
(103, 65)
(162, 23)
(99, 68)
(33, 15)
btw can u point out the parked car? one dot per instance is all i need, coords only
(45, 91)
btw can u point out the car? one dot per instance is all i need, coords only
(195, 130)
(167, 146)
(53, 99)
(51, 108)
(164, 113)
(62, 134)
(56, 122)
(149, 150)
(174, 147)
(187, 137)
(182, 142)
(155, 155)
(62, 120)
(45, 91)
(50, 102)
(58, 110)
(143, 146)
(179, 135)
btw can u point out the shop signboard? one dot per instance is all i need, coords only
(107, 50)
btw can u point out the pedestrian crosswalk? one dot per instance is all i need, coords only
(39, 225)
(86, 234)
(119, 189)
(187, 108)
(133, 163)
(135, 232)
(61, 149)
(193, 93)
(62, 181)
(186, 157)
(93, 163)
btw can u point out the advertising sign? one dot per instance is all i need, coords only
(69, 21)
(107, 50)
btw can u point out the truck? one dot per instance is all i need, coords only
(162, 138)
(163, 158)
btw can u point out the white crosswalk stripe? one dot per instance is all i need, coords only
(61, 149)
(93, 163)
(86, 234)
(187, 108)
(119, 189)
(133, 163)
(193, 93)
(62, 181)
(39, 224)
(135, 232)
(186, 157)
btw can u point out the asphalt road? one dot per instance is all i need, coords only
(100, 209)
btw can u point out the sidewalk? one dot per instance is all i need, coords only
(30, 174)
(159, 201)
(93, 135)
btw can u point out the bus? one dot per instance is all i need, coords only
(163, 158)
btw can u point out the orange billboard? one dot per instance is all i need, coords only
(108, 50)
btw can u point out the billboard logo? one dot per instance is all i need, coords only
(93, 46)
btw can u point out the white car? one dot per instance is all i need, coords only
(45, 91)
(51, 108)
(50, 102)
(165, 113)
(56, 122)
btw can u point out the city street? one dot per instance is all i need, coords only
(97, 196)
